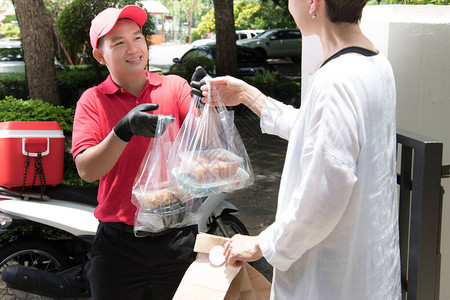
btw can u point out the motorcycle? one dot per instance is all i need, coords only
(45, 239)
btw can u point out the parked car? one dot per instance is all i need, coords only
(247, 33)
(240, 35)
(276, 43)
(202, 42)
(249, 62)
(11, 58)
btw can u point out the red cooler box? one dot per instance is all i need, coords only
(22, 139)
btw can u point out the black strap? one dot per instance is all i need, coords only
(362, 51)
(39, 170)
(27, 164)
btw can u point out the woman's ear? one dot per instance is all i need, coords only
(313, 6)
(98, 55)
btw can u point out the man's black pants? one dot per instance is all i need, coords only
(129, 267)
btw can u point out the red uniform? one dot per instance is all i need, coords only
(98, 111)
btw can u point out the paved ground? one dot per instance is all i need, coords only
(257, 203)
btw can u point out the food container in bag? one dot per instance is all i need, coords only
(161, 209)
(210, 165)
(198, 188)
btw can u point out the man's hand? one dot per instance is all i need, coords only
(242, 248)
(138, 122)
(197, 81)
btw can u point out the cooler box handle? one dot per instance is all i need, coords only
(32, 146)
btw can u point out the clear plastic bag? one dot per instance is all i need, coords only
(208, 156)
(161, 205)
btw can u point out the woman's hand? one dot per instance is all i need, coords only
(240, 249)
(230, 91)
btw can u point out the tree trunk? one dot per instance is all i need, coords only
(190, 6)
(36, 28)
(226, 50)
(189, 21)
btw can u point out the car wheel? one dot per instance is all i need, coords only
(296, 59)
(261, 53)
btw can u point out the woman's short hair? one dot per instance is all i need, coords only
(349, 11)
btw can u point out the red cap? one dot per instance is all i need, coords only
(102, 24)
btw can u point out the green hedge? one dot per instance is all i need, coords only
(188, 69)
(71, 84)
(13, 109)
(13, 84)
(282, 90)
(285, 91)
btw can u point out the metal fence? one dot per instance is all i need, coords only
(421, 195)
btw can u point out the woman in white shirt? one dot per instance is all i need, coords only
(335, 235)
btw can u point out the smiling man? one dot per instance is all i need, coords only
(114, 123)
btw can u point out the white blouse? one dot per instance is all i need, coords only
(335, 235)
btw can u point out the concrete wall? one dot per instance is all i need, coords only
(416, 40)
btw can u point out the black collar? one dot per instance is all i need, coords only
(362, 51)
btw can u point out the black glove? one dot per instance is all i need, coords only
(197, 81)
(138, 122)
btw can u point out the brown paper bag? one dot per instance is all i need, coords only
(203, 280)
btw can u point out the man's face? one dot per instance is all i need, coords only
(123, 50)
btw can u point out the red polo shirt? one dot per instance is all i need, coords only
(98, 111)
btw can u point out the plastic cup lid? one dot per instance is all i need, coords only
(216, 256)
